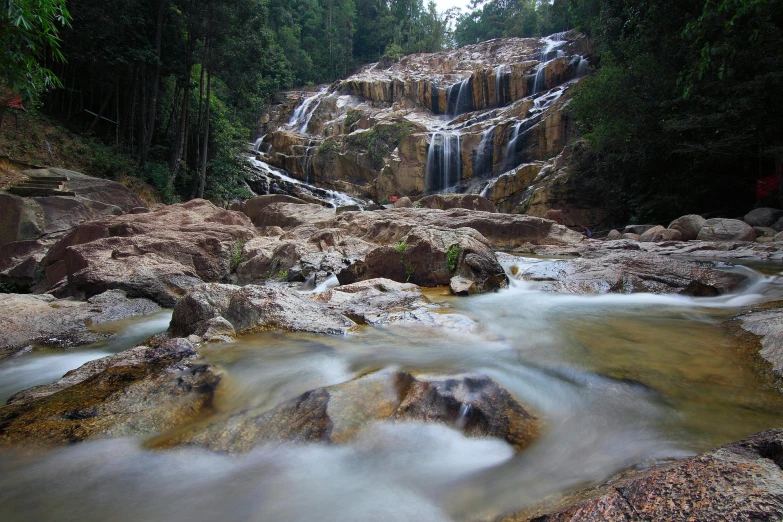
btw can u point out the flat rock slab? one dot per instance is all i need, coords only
(42, 320)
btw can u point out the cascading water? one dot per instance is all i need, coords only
(302, 115)
(459, 98)
(482, 165)
(552, 43)
(444, 161)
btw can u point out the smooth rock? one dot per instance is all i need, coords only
(689, 226)
(720, 229)
(142, 391)
(475, 405)
(42, 320)
(763, 217)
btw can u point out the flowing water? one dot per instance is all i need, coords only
(619, 380)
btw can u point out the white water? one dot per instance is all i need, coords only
(617, 379)
(551, 43)
(302, 115)
(46, 366)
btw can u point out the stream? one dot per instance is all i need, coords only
(618, 380)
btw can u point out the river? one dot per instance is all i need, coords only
(619, 381)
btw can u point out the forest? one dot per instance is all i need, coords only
(681, 114)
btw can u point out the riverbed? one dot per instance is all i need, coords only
(618, 381)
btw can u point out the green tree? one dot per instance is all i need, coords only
(28, 30)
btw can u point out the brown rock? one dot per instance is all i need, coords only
(141, 391)
(473, 404)
(689, 226)
(737, 482)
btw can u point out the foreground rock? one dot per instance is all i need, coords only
(741, 481)
(765, 324)
(251, 308)
(160, 255)
(474, 404)
(623, 272)
(42, 320)
(141, 391)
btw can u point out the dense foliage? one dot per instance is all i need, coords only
(684, 113)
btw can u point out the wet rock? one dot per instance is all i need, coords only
(767, 325)
(475, 405)
(347, 208)
(141, 391)
(720, 229)
(449, 201)
(624, 272)
(763, 217)
(42, 320)
(462, 286)
(160, 255)
(689, 226)
(253, 308)
(614, 235)
(737, 482)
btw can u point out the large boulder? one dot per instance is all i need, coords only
(253, 206)
(253, 308)
(737, 482)
(30, 218)
(142, 391)
(763, 217)
(601, 272)
(449, 201)
(476, 405)
(689, 226)
(431, 256)
(43, 321)
(720, 229)
(160, 255)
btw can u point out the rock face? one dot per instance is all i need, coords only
(719, 229)
(42, 320)
(380, 133)
(141, 391)
(740, 481)
(159, 255)
(602, 272)
(474, 404)
(30, 218)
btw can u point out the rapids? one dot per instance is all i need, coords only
(619, 380)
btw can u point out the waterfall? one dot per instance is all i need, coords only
(482, 164)
(581, 67)
(520, 130)
(304, 112)
(459, 98)
(444, 161)
(499, 94)
(552, 43)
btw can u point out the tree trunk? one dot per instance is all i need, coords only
(152, 109)
(205, 147)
